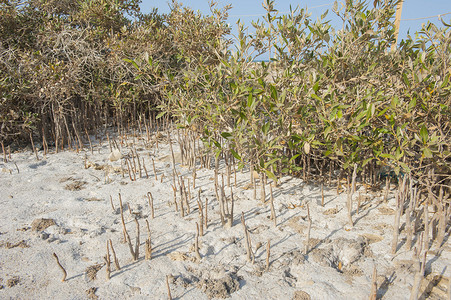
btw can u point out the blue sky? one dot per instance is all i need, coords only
(246, 10)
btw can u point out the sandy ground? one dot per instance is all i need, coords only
(76, 202)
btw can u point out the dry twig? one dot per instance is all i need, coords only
(61, 267)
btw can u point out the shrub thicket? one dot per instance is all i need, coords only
(331, 99)
(64, 68)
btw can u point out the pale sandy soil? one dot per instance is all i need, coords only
(59, 187)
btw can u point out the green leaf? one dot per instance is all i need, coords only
(235, 154)
(327, 130)
(315, 96)
(285, 170)
(405, 167)
(271, 162)
(382, 112)
(226, 135)
(394, 102)
(294, 157)
(427, 153)
(265, 128)
(225, 63)
(424, 134)
(250, 100)
(412, 103)
(271, 175)
(328, 152)
(217, 144)
(445, 81)
(283, 96)
(387, 155)
(361, 115)
(161, 114)
(399, 154)
(366, 161)
(405, 79)
(316, 87)
(132, 62)
(273, 92)
(327, 36)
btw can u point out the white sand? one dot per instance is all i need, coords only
(85, 221)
